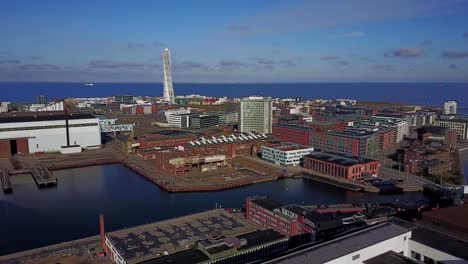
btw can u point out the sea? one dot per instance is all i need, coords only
(428, 94)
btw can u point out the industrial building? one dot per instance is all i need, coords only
(166, 138)
(256, 115)
(205, 153)
(348, 142)
(345, 167)
(166, 238)
(460, 126)
(286, 154)
(47, 132)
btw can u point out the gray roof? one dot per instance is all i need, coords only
(43, 117)
(344, 245)
(441, 241)
(390, 257)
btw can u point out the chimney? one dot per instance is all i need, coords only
(102, 232)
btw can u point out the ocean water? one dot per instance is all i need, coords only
(411, 93)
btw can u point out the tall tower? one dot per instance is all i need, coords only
(256, 114)
(168, 89)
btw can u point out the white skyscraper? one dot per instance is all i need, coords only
(168, 89)
(256, 115)
(450, 108)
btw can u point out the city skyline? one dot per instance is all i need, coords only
(264, 41)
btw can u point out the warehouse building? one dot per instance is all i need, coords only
(46, 132)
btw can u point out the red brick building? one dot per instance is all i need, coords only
(293, 220)
(165, 138)
(288, 221)
(323, 126)
(193, 155)
(348, 142)
(387, 138)
(345, 167)
(293, 134)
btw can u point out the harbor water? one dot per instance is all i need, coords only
(32, 217)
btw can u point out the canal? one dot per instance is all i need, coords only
(32, 217)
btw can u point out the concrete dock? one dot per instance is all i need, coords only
(5, 179)
(43, 177)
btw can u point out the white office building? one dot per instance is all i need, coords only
(383, 243)
(46, 132)
(402, 125)
(286, 154)
(450, 108)
(460, 126)
(178, 118)
(256, 115)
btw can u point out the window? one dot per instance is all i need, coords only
(415, 255)
(428, 260)
(356, 257)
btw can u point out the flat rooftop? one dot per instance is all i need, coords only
(352, 133)
(285, 146)
(390, 257)
(267, 203)
(194, 255)
(20, 118)
(342, 160)
(152, 240)
(344, 245)
(449, 218)
(441, 241)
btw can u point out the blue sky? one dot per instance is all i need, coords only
(235, 41)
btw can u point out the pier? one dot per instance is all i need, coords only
(43, 177)
(6, 183)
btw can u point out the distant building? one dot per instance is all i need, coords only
(226, 117)
(339, 166)
(286, 154)
(401, 124)
(42, 99)
(4, 107)
(256, 115)
(203, 121)
(178, 117)
(460, 126)
(139, 109)
(168, 89)
(450, 108)
(123, 99)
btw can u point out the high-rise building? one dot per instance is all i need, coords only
(450, 108)
(42, 99)
(168, 88)
(256, 115)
